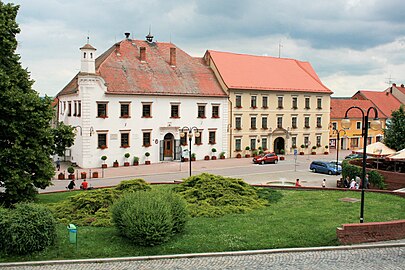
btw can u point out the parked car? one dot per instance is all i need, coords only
(355, 155)
(325, 167)
(266, 158)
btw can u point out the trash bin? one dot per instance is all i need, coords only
(72, 233)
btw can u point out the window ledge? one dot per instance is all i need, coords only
(175, 117)
(146, 145)
(103, 117)
(146, 116)
(125, 146)
(125, 116)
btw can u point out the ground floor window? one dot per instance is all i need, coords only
(102, 140)
(354, 142)
(124, 140)
(264, 144)
(252, 143)
(238, 144)
(212, 137)
(146, 139)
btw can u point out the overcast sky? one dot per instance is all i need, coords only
(352, 44)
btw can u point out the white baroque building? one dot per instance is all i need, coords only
(137, 97)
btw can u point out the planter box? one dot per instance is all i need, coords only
(136, 163)
(115, 164)
(213, 157)
(103, 166)
(126, 164)
(222, 157)
(301, 153)
(238, 156)
(207, 158)
(247, 156)
(147, 162)
(71, 176)
(193, 159)
(61, 176)
(95, 175)
(282, 158)
(313, 153)
(83, 175)
(326, 153)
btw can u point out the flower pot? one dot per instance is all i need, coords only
(61, 176)
(83, 175)
(115, 164)
(136, 163)
(147, 162)
(326, 153)
(126, 164)
(247, 156)
(301, 153)
(238, 156)
(282, 158)
(213, 157)
(222, 157)
(71, 176)
(313, 153)
(193, 159)
(95, 175)
(103, 166)
(207, 158)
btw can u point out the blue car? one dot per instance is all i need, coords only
(325, 167)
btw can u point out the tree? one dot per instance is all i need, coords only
(64, 137)
(25, 134)
(395, 130)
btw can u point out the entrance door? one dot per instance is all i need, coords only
(168, 145)
(278, 145)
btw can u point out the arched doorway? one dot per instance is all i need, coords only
(168, 146)
(278, 144)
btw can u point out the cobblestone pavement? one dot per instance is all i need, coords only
(359, 258)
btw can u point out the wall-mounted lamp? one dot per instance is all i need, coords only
(80, 129)
(91, 131)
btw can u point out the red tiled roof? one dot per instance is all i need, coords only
(401, 88)
(242, 71)
(124, 73)
(338, 108)
(385, 101)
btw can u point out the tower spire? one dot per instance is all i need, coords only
(149, 37)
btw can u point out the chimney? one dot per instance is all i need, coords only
(394, 84)
(402, 85)
(127, 35)
(173, 57)
(142, 54)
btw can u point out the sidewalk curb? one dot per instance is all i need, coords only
(200, 255)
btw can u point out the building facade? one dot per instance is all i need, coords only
(137, 98)
(274, 103)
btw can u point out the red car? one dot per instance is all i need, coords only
(267, 158)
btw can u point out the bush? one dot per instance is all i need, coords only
(149, 218)
(27, 228)
(133, 185)
(213, 195)
(70, 169)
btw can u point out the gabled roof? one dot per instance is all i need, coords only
(124, 72)
(338, 108)
(242, 71)
(385, 101)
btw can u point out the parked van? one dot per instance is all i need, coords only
(325, 167)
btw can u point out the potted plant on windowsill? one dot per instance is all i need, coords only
(116, 164)
(247, 155)
(147, 162)
(127, 155)
(222, 155)
(71, 172)
(193, 157)
(104, 158)
(213, 157)
(302, 149)
(282, 153)
(136, 161)
(313, 150)
(326, 150)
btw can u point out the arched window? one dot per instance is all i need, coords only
(91, 55)
(84, 55)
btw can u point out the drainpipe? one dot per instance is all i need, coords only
(230, 129)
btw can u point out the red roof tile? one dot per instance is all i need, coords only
(124, 73)
(242, 71)
(338, 108)
(385, 101)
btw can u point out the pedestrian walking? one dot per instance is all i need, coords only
(297, 183)
(324, 183)
(71, 185)
(58, 164)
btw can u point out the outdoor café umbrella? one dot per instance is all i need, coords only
(398, 156)
(378, 150)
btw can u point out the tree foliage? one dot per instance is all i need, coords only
(64, 137)
(395, 130)
(25, 134)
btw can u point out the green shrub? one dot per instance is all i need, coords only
(149, 218)
(27, 228)
(4, 224)
(213, 195)
(70, 169)
(133, 185)
(351, 170)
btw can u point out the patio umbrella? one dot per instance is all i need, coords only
(377, 149)
(398, 156)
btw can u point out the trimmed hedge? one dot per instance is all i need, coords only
(27, 228)
(375, 178)
(91, 208)
(149, 218)
(213, 195)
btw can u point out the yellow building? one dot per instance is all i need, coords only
(274, 103)
(351, 138)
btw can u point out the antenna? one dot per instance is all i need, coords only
(390, 81)
(88, 36)
(279, 48)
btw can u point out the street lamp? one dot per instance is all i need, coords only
(374, 125)
(192, 131)
(337, 132)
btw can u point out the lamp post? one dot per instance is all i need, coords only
(337, 132)
(192, 131)
(375, 125)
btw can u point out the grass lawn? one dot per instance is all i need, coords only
(299, 219)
